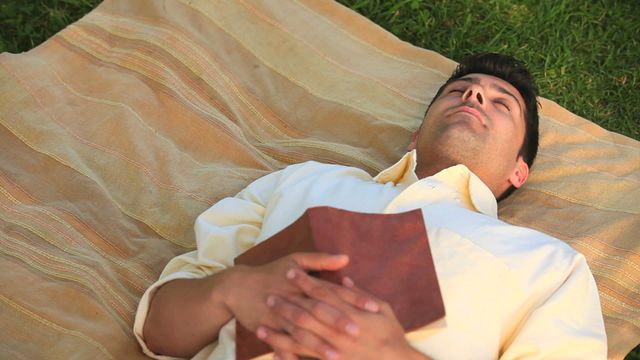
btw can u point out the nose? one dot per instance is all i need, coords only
(474, 93)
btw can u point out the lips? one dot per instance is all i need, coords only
(469, 110)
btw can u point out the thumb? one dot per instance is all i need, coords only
(320, 261)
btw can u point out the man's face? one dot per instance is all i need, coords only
(478, 121)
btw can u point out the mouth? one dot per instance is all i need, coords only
(469, 110)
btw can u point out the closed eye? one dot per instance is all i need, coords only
(504, 105)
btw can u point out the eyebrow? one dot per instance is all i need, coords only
(494, 86)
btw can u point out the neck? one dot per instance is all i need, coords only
(429, 169)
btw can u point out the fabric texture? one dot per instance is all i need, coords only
(509, 292)
(119, 130)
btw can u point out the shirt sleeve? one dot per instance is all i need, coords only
(222, 232)
(567, 323)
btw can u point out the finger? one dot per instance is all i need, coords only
(281, 341)
(313, 342)
(377, 304)
(348, 282)
(293, 315)
(331, 293)
(320, 261)
(327, 314)
(283, 355)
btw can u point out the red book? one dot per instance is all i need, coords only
(389, 257)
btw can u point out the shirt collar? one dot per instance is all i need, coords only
(401, 173)
(463, 186)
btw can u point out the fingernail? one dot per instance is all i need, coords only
(330, 354)
(341, 257)
(346, 281)
(276, 357)
(261, 333)
(291, 274)
(352, 329)
(271, 300)
(371, 306)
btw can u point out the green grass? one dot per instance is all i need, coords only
(25, 24)
(585, 54)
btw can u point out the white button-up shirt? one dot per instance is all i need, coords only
(509, 292)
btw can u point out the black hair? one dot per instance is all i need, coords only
(515, 73)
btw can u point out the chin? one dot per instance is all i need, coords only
(464, 138)
(464, 150)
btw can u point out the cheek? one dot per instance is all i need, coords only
(444, 102)
(504, 135)
(507, 138)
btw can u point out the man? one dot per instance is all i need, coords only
(509, 292)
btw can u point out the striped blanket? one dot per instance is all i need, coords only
(118, 131)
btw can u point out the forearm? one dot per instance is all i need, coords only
(185, 315)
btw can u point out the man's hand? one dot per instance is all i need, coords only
(310, 324)
(187, 314)
(249, 289)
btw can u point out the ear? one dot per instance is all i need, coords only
(519, 174)
(414, 140)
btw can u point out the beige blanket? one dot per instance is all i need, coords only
(119, 130)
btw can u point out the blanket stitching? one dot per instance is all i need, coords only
(54, 326)
(369, 45)
(123, 63)
(586, 133)
(607, 275)
(610, 311)
(193, 49)
(119, 155)
(293, 80)
(579, 202)
(231, 84)
(64, 223)
(546, 153)
(50, 256)
(277, 25)
(581, 239)
(613, 300)
(59, 271)
(127, 108)
(620, 297)
(62, 161)
(86, 288)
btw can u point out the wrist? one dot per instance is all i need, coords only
(229, 282)
(221, 289)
